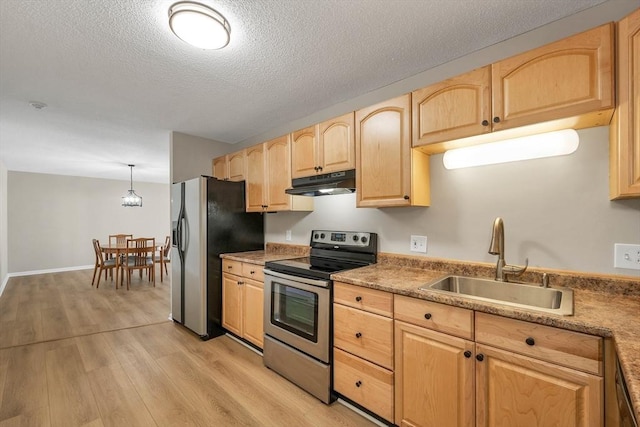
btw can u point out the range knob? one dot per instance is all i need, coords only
(363, 239)
(356, 238)
(322, 235)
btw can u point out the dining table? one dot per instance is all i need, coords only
(119, 249)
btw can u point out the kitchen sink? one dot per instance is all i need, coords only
(523, 295)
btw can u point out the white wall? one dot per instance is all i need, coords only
(556, 212)
(192, 156)
(52, 218)
(4, 267)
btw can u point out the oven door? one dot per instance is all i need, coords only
(297, 312)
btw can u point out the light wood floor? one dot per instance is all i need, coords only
(101, 357)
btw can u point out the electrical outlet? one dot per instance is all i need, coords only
(418, 244)
(287, 236)
(626, 256)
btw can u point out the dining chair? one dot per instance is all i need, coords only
(141, 255)
(119, 239)
(164, 256)
(102, 264)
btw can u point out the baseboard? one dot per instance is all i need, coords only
(33, 272)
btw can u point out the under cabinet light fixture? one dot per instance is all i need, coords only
(549, 144)
(131, 199)
(199, 25)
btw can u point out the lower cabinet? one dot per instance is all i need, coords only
(434, 378)
(243, 300)
(363, 347)
(515, 390)
(492, 371)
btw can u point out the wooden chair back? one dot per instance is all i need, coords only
(141, 255)
(119, 239)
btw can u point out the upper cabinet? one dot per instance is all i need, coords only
(568, 83)
(452, 109)
(625, 129)
(389, 172)
(268, 175)
(326, 147)
(220, 168)
(230, 167)
(568, 78)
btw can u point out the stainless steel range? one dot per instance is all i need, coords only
(298, 300)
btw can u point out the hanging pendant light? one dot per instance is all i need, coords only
(131, 199)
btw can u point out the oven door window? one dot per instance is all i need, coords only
(295, 310)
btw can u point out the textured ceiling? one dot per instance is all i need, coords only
(117, 81)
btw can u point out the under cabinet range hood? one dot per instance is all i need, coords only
(323, 185)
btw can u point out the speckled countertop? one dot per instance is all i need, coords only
(273, 252)
(606, 306)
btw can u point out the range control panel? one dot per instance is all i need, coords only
(342, 238)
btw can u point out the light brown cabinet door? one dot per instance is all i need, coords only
(220, 167)
(232, 303)
(254, 178)
(625, 129)
(455, 108)
(252, 311)
(434, 378)
(383, 153)
(336, 144)
(278, 173)
(568, 78)
(513, 390)
(304, 152)
(235, 164)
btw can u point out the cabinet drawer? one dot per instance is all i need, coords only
(439, 317)
(366, 335)
(572, 349)
(232, 267)
(372, 300)
(363, 382)
(253, 271)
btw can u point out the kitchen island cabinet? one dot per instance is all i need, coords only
(624, 156)
(324, 148)
(565, 84)
(390, 172)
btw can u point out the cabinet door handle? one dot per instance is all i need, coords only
(358, 334)
(315, 168)
(467, 354)
(480, 357)
(485, 123)
(320, 168)
(358, 383)
(406, 197)
(427, 316)
(358, 298)
(240, 282)
(229, 267)
(496, 119)
(530, 341)
(252, 272)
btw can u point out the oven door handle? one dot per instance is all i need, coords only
(312, 282)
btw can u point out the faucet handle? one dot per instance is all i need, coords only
(514, 270)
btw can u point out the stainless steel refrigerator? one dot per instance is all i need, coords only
(208, 218)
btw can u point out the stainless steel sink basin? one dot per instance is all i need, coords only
(529, 296)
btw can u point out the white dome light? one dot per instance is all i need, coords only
(199, 25)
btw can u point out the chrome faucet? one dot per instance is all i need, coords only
(496, 247)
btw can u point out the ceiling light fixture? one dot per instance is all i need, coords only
(199, 25)
(131, 199)
(548, 144)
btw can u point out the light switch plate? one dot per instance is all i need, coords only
(626, 256)
(418, 244)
